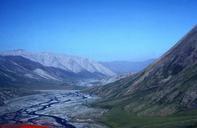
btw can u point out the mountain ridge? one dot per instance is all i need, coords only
(17, 71)
(66, 62)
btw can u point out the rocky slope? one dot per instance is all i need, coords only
(169, 85)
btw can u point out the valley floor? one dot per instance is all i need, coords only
(71, 109)
(55, 108)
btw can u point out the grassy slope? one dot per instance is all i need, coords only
(118, 118)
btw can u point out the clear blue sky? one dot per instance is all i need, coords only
(103, 30)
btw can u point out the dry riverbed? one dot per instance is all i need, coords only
(54, 108)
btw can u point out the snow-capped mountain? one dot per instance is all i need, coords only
(66, 62)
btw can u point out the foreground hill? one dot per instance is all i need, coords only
(167, 86)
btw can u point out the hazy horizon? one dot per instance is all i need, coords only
(100, 30)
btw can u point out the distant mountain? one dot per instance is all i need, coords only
(24, 68)
(167, 86)
(17, 70)
(122, 67)
(65, 62)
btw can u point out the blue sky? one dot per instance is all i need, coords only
(103, 30)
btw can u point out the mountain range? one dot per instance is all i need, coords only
(22, 67)
(69, 63)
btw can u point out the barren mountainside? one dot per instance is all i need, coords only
(17, 70)
(20, 67)
(69, 63)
